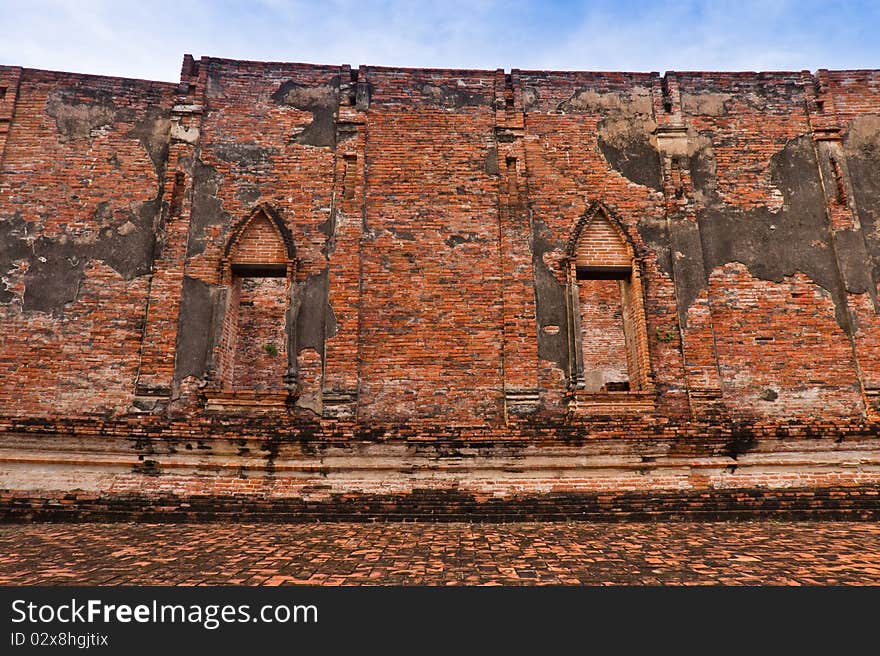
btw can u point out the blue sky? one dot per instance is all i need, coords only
(147, 39)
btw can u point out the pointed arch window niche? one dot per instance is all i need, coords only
(255, 354)
(609, 368)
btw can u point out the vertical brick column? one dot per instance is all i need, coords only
(699, 355)
(520, 345)
(340, 387)
(9, 78)
(847, 237)
(156, 370)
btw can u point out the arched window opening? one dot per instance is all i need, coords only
(608, 340)
(256, 352)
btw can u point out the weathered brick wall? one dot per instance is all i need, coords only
(431, 315)
(778, 309)
(261, 347)
(81, 191)
(850, 108)
(386, 255)
(602, 334)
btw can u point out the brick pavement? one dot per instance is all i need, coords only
(769, 552)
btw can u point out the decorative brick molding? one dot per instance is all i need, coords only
(599, 251)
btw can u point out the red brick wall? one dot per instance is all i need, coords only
(602, 336)
(80, 190)
(430, 326)
(425, 216)
(260, 340)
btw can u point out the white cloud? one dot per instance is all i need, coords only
(147, 40)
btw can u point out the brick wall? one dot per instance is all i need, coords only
(81, 190)
(418, 228)
(261, 343)
(602, 336)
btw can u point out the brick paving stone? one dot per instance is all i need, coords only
(673, 553)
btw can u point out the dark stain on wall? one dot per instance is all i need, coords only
(627, 148)
(321, 101)
(153, 132)
(861, 145)
(550, 305)
(772, 244)
(55, 267)
(314, 312)
(449, 97)
(248, 157)
(55, 273)
(127, 245)
(78, 112)
(491, 161)
(194, 337)
(776, 244)
(691, 277)
(654, 233)
(248, 194)
(207, 209)
(13, 246)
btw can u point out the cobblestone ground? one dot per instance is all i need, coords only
(779, 553)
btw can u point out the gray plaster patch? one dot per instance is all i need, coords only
(321, 101)
(153, 132)
(636, 100)
(207, 209)
(14, 245)
(248, 194)
(530, 98)
(861, 145)
(449, 96)
(127, 245)
(78, 113)
(625, 143)
(194, 335)
(625, 131)
(708, 103)
(491, 161)
(314, 308)
(53, 278)
(772, 244)
(550, 308)
(124, 241)
(654, 233)
(462, 238)
(249, 157)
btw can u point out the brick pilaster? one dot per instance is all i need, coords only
(846, 236)
(340, 386)
(520, 352)
(9, 79)
(700, 359)
(156, 370)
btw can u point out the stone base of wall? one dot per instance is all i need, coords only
(248, 471)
